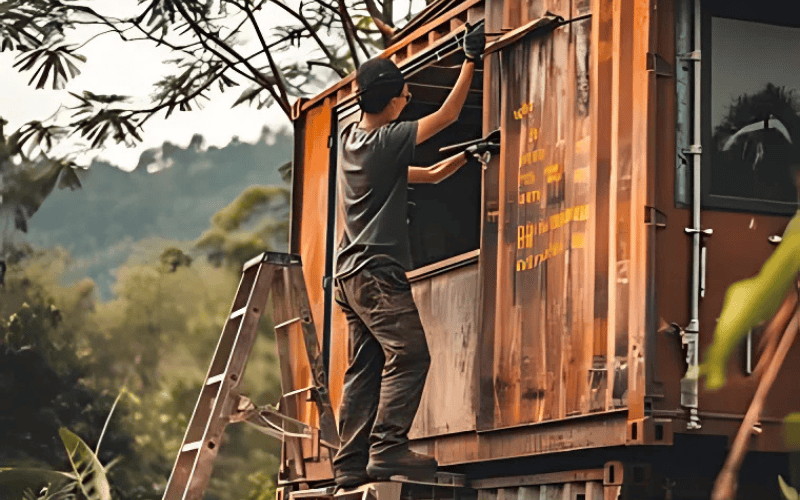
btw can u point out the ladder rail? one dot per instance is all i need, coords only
(221, 400)
(209, 375)
(279, 277)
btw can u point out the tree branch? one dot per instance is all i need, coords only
(260, 79)
(313, 33)
(350, 33)
(276, 73)
(384, 26)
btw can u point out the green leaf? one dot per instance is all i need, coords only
(791, 431)
(69, 179)
(16, 480)
(90, 472)
(248, 95)
(751, 301)
(787, 491)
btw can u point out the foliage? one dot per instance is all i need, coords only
(156, 337)
(751, 301)
(220, 43)
(239, 231)
(787, 491)
(26, 181)
(90, 475)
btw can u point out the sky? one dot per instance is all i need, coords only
(131, 68)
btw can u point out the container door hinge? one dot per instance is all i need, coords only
(659, 65)
(695, 55)
(655, 217)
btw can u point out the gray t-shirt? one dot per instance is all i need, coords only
(373, 189)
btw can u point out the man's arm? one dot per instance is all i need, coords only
(445, 116)
(432, 124)
(438, 172)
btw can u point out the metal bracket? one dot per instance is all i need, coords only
(694, 55)
(659, 65)
(703, 232)
(690, 339)
(655, 217)
(694, 149)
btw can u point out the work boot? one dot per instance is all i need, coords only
(402, 462)
(348, 480)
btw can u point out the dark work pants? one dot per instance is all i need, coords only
(389, 361)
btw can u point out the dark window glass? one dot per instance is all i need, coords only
(751, 108)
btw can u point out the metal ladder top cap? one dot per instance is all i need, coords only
(281, 258)
(273, 258)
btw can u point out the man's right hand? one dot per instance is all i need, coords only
(474, 42)
(479, 148)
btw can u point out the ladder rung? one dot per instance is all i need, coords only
(287, 323)
(191, 446)
(216, 378)
(238, 313)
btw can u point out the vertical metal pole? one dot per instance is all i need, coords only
(690, 337)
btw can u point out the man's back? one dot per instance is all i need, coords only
(373, 182)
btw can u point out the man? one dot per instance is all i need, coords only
(389, 356)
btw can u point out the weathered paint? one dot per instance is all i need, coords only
(566, 343)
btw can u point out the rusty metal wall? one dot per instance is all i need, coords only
(447, 305)
(309, 228)
(543, 326)
(736, 250)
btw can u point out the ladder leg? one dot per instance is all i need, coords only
(327, 419)
(292, 463)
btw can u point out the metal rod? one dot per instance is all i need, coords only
(690, 336)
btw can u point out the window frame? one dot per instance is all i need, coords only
(710, 200)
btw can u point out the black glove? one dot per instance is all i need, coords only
(474, 42)
(479, 148)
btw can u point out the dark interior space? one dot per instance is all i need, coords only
(444, 218)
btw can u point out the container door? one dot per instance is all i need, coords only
(750, 158)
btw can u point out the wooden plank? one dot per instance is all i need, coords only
(490, 203)
(580, 247)
(502, 383)
(600, 92)
(642, 236)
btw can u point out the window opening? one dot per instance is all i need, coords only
(444, 218)
(751, 106)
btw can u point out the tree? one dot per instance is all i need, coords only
(212, 42)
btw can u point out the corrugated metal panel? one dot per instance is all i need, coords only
(447, 307)
(310, 222)
(544, 290)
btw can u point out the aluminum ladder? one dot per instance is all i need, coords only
(278, 276)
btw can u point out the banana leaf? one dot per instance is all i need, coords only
(14, 481)
(91, 475)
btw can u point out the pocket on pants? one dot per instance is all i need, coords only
(391, 279)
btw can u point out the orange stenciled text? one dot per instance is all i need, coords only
(553, 173)
(523, 110)
(534, 261)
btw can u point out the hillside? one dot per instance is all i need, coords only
(172, 194)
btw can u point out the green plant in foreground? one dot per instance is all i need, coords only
(88, 479)
(752, 301)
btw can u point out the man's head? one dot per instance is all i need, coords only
(382, 88)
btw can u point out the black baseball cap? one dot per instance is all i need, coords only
(379, 80)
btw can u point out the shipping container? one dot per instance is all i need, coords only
(568, 286)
